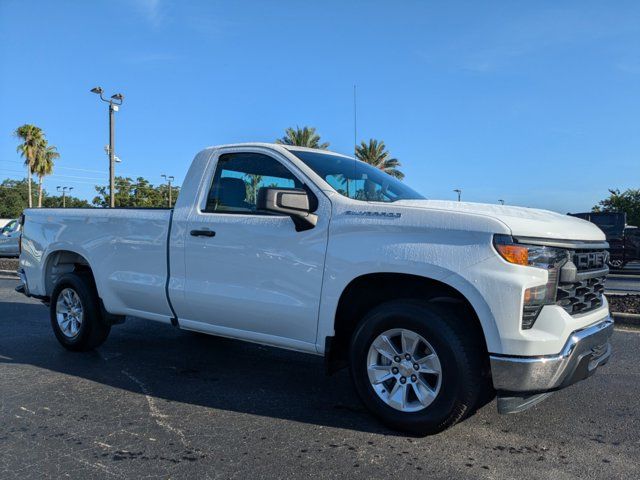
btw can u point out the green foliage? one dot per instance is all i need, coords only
(375, 153)
(32, 138)
(138, 193)
(70, 202)
(627, 201)
(303, 137)
(43, 165)
(38, 155)
(14, 195)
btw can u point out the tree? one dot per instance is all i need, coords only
(32, 138)
(627, 201)
(375, 153)
(43, 165)
(303, 137)
(14, 193)
(13, 197)
(138, 193)
(252, 185)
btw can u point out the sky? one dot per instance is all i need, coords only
(534, 103)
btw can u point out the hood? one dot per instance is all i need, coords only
(525, 222)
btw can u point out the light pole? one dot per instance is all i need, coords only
(64, 194)
(169, 179)
(114, 104)
(459, 192)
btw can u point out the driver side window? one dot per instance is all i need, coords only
(239, 177)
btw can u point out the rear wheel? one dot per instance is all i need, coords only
(417, 366)
(75, 313)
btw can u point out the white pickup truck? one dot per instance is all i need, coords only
(434, 306)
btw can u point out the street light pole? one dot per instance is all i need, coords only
(169, 179)
(64, 195)
(459, 192)
(114, 104)
(112, 167)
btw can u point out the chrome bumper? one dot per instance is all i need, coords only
(583, 353)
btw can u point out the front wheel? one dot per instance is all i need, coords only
(75, 313)
(417, 366)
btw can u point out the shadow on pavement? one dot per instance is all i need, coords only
(190, 368)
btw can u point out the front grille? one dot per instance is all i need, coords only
(590, 259)
(581, 288)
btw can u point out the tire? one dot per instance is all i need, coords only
(459, 350)
(91, 331)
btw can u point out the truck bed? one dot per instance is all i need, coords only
(126, 247)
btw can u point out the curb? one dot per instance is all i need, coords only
(628, 319)
(10, 273)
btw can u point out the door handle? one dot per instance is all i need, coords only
(203, 233)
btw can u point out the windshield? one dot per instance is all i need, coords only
(356, 179)
(10, 227)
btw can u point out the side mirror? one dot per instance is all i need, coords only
(288, 201)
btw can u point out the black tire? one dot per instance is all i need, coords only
(93, 330)
(460, 351)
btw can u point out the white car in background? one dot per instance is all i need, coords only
(9, 239)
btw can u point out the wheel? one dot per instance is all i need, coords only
(417, 366)
(75, 313)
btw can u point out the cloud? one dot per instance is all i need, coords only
(629, 66)
(151, 10)
(497, 40)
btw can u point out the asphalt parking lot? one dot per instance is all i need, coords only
(155, 402)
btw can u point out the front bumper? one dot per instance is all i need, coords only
(582, 354)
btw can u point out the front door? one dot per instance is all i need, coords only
(250, 274)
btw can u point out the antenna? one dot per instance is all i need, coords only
(355, 136)
(355, 120)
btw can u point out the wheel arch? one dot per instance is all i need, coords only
(369, 290)
(59, 262)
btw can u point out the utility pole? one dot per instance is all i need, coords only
(459, 192)
(169, 179)
(114, 105)
(64, 194)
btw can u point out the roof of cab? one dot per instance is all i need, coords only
(276, 146)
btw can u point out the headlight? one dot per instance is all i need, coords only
(529, 255)
(550, 259)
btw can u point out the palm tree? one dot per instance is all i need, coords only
(303, 137)
(32, 138)
(251, 184)
(43, 165)
(375, 153)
